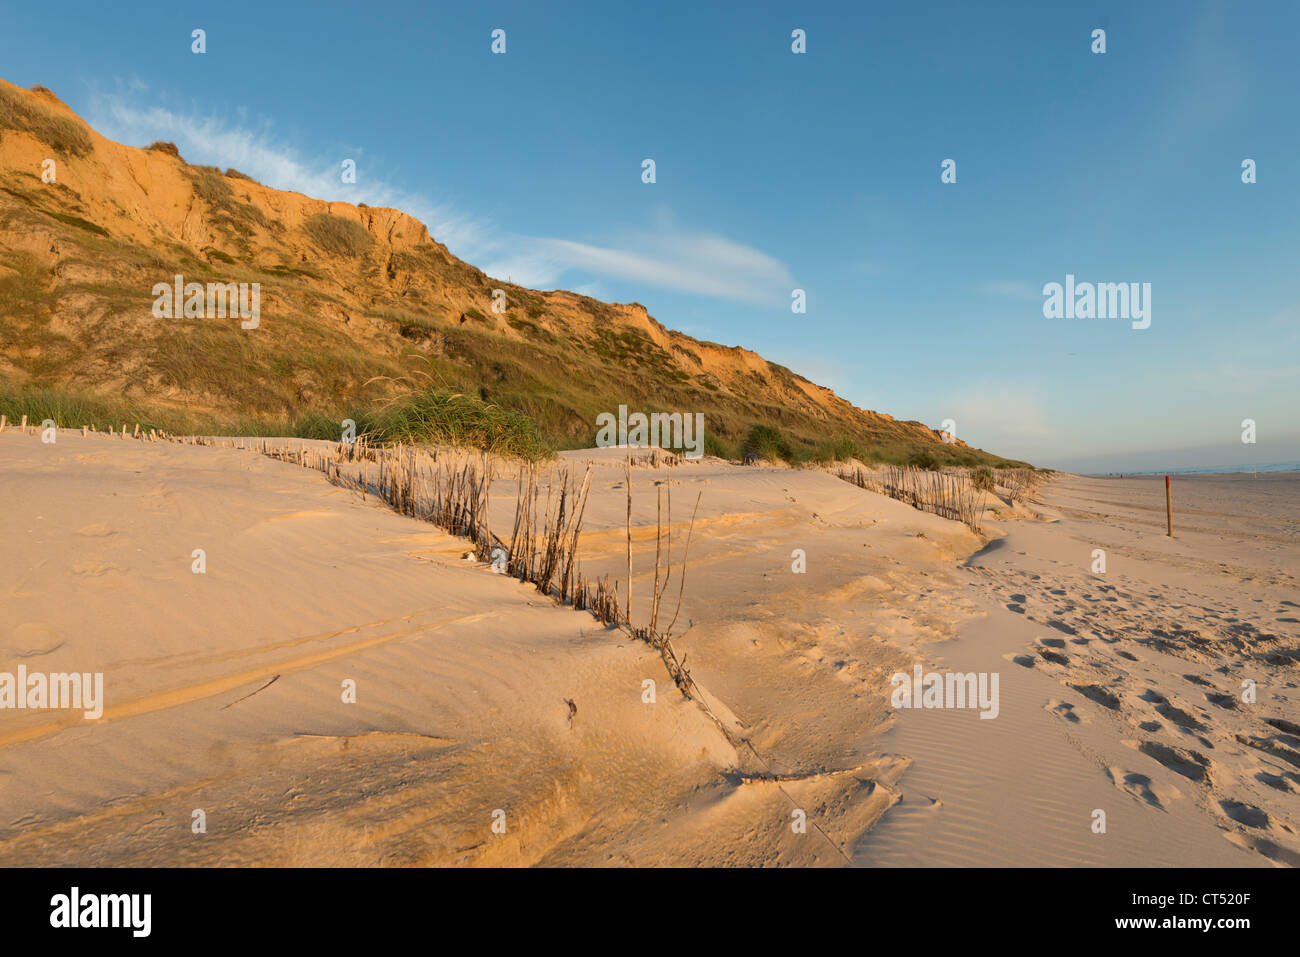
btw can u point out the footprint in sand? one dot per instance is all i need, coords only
(1065, 710)
(1102, 696)
(1190, 764)
(1170, 712)
(1286, 781)
(1289, 727)
(1270, 744)
(32, 639)
(96, 530)
(1143, 788)
(1246, 814)
(1270, 849)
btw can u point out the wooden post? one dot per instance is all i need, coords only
(2, 423)
(627, 472)
(24, 425)
(1169, 507)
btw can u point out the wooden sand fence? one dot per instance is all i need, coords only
(950, 495)
(1019, 483)
(451, 489)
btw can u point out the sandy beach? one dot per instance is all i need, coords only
(1127, 682)
(493, 726)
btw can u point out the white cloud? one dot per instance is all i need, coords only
(700, 263)
(665, 255)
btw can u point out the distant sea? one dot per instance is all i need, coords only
(1215, 469)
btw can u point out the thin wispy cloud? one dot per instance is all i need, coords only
(211, 140)
(702, 264)
(665, 256)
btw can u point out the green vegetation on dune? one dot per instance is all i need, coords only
(766, 442)
(69, 409)
(433, 417)
(66, 218)
(455, 419)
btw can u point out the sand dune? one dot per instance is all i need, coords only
(477, 695)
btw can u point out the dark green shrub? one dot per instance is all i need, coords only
(923, 460)
(766, 442)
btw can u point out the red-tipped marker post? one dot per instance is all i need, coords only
(1169, 507)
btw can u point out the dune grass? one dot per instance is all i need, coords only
(443, 418)
(338, 236)
(427, 418)
(25, 114)
(766, 442)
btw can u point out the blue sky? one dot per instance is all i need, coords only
(818, 171)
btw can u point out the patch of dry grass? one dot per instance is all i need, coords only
(26, 114)
(337, 236)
